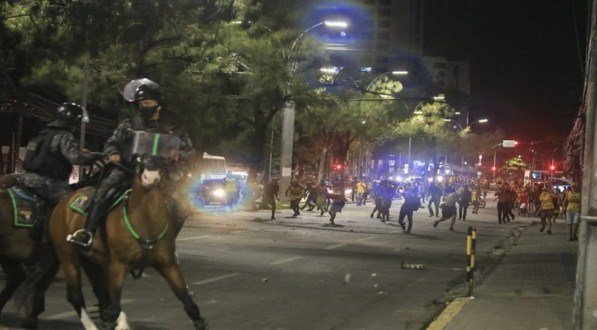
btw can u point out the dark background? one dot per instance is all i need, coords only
(525, 56)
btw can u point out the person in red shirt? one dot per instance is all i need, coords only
(524, 202)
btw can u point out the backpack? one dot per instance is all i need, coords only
(38, 150)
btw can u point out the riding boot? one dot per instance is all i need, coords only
(84, 237)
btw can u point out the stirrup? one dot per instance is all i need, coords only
(73, 238)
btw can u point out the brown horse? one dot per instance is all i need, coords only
(136, 233)
(17, 247)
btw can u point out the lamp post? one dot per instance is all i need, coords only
(289, 108)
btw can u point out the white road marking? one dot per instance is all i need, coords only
(366, 238)
(194, 237)
(215, 279)
(332, 247)
(283, 261)
(92, 309)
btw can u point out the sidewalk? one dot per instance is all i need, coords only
(531, 288)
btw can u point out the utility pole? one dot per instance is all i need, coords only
(585, 297)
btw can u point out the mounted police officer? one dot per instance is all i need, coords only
(147, 99)
(51, 155)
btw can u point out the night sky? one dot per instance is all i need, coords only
(525, 67)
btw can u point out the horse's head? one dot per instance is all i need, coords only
(150, 169)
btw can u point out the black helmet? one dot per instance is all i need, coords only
(143, 89)
(151, 91)
(68, 115)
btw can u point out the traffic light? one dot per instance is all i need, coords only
(552, 167)
(493, 168)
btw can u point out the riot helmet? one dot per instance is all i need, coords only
(140, 90)
(68, 115)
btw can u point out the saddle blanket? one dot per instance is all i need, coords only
(23, 204)
(82, 202)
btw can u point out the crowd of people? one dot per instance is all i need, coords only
(449, 200)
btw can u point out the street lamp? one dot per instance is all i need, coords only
(289, 108)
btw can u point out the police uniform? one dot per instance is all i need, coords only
(120, 143)
(117, 180)
(65, 152)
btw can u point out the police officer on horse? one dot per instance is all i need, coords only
(147, 100)
(50, 158)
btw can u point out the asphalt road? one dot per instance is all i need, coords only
(248, 272)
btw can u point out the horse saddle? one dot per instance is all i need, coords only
(24, 203)
(82, 202)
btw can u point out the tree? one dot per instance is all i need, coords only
(429, 131)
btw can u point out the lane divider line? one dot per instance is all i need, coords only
(215, 279)
(194, 237)
(91, 309)
(283, 261)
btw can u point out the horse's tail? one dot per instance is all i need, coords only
(29, 295)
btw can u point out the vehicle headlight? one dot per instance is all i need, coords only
(219, 193)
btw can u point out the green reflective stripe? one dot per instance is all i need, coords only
(134, 233)
(14, 206)
(123, 196)
(154, 148)
(78, 210)
(128, 223)
(164, 231)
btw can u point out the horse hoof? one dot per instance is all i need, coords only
(200, 324)
(122, 322)
(29, 323)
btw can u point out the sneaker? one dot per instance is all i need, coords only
(542, 228)
(570, 239)
(435, 223)
(371, 215)
(451, 229)
(407, 231)
(81, 237)
(273, 218)
(403, 226)
(549, 232)
(431, 215)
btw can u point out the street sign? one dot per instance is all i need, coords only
(509, 144)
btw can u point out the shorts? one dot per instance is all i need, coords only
(336, 207)
(547, 213)
(572, 217)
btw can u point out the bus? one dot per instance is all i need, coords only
(212, 167)
(534, 176)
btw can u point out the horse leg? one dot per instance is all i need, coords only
(95, 275)
(171, 272)
(42, 280)
(74, 295)
(15, 275)
(98, 282)
(114, 318)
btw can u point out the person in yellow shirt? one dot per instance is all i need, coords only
(572, 207)
(547, 209)
(295, 194)
(361, 188)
